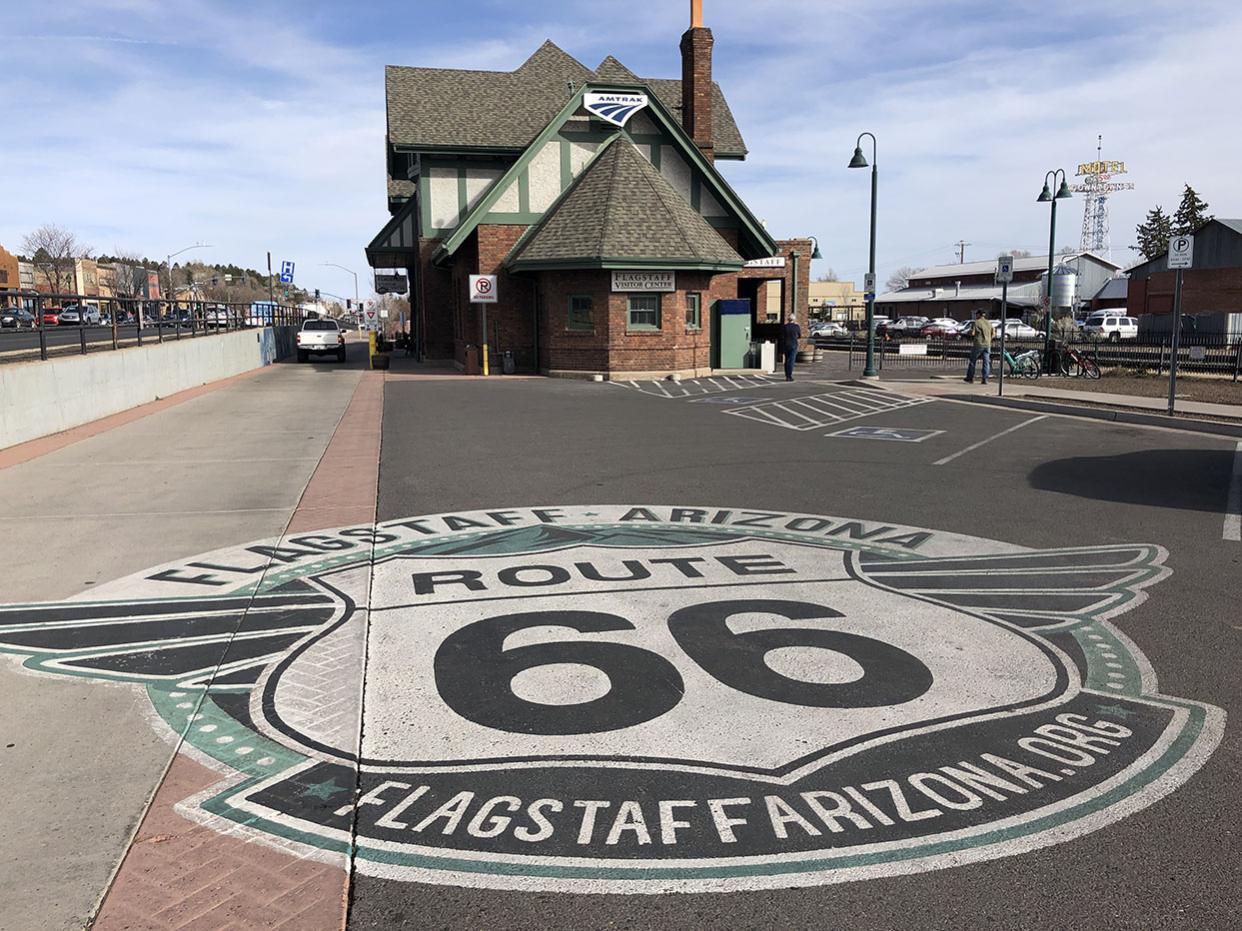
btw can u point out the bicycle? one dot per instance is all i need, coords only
(1077, 365)
(1024, 364)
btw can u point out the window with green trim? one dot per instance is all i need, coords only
(694, 311)
(643, 312)
(580, 306)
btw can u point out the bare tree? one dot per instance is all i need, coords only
(829, 275)
(129, 275)
(900, 278)
(53, 251)
(1016, 253)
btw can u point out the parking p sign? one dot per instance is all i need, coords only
(482, 289)
(1181, 252)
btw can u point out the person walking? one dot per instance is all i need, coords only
(980, 348)
(790, 334)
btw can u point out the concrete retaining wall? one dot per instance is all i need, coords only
(41, 398)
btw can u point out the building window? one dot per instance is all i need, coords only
(643, 312)
(580, 312)
(694, 311)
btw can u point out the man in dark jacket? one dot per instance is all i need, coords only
(790, 334)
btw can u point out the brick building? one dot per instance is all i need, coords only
(10, 274)
(594, 197)
(1213, 285)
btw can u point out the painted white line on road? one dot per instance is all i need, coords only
(971, 448)
(1233, 502)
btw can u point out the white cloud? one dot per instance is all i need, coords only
(254, 126)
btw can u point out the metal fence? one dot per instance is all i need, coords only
(1197, 354)
(35, 325)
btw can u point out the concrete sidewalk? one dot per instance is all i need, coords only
(81, 760)
(1019, 388)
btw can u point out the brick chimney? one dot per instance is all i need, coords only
(696, 81)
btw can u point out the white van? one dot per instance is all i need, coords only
(1109, 326)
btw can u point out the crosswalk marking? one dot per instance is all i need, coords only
(697, 387)
(814, 412)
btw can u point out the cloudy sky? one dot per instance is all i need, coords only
(148, 125)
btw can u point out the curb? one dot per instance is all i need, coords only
(1110, 414)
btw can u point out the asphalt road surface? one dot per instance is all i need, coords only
(729, 652)
(25, 340)
(1045, 483)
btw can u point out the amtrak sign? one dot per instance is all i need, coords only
(615, 108)
(645, 698)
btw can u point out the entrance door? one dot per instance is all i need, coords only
(734, 333)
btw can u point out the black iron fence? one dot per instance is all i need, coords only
(1197, 354)
(35, 325)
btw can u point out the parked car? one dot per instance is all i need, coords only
(51, 318)
(1015, 329)
(320, 337)
(828, 328)
(1113, 329)
(69, 316)
(941, 329)
(14, 318)
(904, 326)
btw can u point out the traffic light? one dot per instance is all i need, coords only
(349, 303)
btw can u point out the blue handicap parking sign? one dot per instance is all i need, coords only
(892, 434)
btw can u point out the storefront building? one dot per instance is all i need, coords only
(594, 199)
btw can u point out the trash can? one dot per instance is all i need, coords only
(767, 357)
(507, 365)
(472, 360)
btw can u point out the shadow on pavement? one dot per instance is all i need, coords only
(1185, 479)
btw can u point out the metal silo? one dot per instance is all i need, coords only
(1064, 286)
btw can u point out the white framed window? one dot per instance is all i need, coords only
(642, 312)
(694, 310)
(580, 308)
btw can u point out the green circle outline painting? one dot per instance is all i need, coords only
(641, 699)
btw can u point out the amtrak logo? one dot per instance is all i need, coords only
(644, 699)
(615, 108)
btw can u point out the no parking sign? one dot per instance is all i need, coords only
(482, 289)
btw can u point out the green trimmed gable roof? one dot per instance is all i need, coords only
(451, 109)
(621, 213)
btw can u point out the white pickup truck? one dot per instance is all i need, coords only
(319, 337)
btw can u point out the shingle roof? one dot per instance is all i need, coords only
(446, 107)
(621, 208)
(400, 188)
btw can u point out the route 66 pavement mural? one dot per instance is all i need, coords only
(644, 699)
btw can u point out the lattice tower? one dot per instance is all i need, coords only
(1097, 184)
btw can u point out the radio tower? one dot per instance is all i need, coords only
(1097, 183)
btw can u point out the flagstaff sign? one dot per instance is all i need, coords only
(644, 281)
(645, 698)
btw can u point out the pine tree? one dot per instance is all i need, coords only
(1191, 213)
(1153, 233)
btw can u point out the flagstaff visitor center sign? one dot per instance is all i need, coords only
(644, 281)
(645, 698)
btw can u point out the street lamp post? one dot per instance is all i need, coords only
(354, 273)
(1046, 196)
(171, 290)
(860, 161)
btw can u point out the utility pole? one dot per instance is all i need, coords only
(961, 251)
(271, 289)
